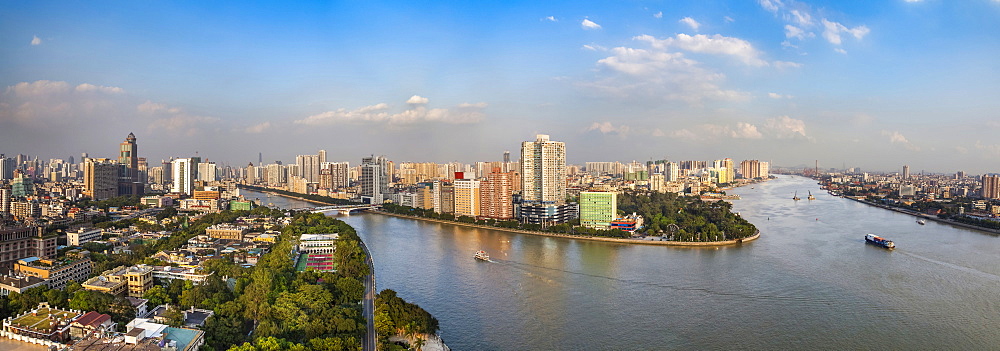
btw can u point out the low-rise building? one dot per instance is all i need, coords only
(20, 242)
(123, 281)
(318, 243)
(42, 325)
(168, 273)
(18, 284)
(91, 323)
(56, 273)
(227, 231)
(82, 236)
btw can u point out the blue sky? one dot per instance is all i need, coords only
(871, 85)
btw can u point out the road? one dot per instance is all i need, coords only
(368, 303)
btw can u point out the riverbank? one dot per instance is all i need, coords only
(431, 342)
(580, 237)
(927, 217)
(272, 192)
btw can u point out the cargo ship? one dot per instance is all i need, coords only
(880, 241)
(482, 255)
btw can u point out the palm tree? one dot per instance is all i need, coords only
(418, 343)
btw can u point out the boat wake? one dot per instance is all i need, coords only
(741, 295)
(969, 270)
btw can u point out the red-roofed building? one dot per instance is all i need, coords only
(91, 323)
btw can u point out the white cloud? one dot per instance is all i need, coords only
(417, 100)
(728, 19)
(770, 5)
(551, 19)
(785, 127)
(832, 31)
(588, 24)
(802, 18)
(465, 113)
(258, 128)
(37, 88)
(594, 47)
(91, 88)
(705, 44)
(691, 23)
(778, 96)
(35, 40)
(786, 64)
(746, 131)
(608, 128)
(796, 32)
(658, 14)
(897, 138)
(839, 50)
(991, 149)
(917, 0)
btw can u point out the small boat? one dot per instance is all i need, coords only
(482, 255)
(880, 241)
(921, 222)
(796, 197)
(811, 197)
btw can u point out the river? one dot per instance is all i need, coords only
(809, 282)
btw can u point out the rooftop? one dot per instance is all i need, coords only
(43, 318)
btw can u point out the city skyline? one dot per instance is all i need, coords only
(874, 86)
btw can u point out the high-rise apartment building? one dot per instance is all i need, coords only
(208, 171)
(752, 169)
(374, 179)
(100, 178)
(496, 195)
(991, 187)
(183, 176)
(467, 198)
(543, 171)
(598, 209)
(543, 183)
(7, 166)
(4, 202)
(309, 166)
(906, 172)
(671, 172)
(334, 175)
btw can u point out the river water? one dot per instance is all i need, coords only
(809, 282)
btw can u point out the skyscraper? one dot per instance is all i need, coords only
(100, 178)
(129, 182)
(906, 172)
(309, 166)
(183, 174)
(543, 183)
(543, 171)
(467, 197)
(374, 179)
(496, 194)
(991, 187)
(671, 172)
(334, 175)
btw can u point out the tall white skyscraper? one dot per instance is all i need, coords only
(374, 179)
(183, 176)
(309, 165)
(543, 171)
(671, 172)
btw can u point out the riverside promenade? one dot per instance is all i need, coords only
(580, 237)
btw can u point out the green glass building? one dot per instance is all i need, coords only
(598, 209)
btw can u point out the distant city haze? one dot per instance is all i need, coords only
(867, 85)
